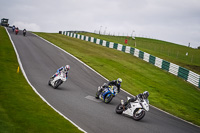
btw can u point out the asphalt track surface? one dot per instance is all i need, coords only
(75, 98)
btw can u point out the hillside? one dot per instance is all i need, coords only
(181, 55)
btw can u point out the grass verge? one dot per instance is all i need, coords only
(21, 109)
(167, 91)
(168, 51)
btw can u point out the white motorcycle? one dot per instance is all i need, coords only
(134, 109)
(58, 80)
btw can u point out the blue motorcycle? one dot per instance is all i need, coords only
(106, 94)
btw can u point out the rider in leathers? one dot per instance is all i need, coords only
(143, 95)
(116, 83)
(62, 69)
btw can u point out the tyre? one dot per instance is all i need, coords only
(108, 98)
(119, 109)
(139, 116)
(49, 83)
(97, 95)
(57, 83)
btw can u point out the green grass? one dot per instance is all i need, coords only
(21, 109)
(168, 51)
(167, 91)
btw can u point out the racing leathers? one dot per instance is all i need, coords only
(112, 83)
(62, 69)
(133, 99)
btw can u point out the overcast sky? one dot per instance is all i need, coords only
(175, 21)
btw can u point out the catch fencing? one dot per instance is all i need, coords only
(174, 69)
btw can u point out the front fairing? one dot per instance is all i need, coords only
(105, 92)
(145, 104)
(61, 76)
(111, 90)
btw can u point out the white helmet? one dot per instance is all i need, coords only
(67, 67)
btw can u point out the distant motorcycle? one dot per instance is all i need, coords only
(24, 32)
(58, 80)
(107, 94)
(16, 31)
(134, 109)
(13, 29)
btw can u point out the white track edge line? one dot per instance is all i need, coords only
(22, 69)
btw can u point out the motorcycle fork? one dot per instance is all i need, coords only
(139, 111)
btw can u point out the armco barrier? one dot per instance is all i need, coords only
(174, 69)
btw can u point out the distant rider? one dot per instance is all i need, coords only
(116, 83)
(24, 30)
(62, 69)
(13, 28)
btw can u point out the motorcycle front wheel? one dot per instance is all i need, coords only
(138, 116)
(119, 109)
(108, 98)
(49, 83)
(57, 83)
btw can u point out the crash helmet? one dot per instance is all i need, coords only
(67, 67)
(119, 81)
(146, 94)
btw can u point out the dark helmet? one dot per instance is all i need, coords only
(146, 94)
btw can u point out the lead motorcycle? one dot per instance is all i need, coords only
(24, 32)
(134, 109)
(58, 80)
(106, 94)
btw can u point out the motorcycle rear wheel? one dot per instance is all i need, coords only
(97, 95)
(139, 116)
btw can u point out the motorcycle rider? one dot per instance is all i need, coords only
(143, 95)
(116, 83)
(24, 32)
(62, 69)
(13, 28)
(16, 30)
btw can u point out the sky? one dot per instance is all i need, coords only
(176, 21)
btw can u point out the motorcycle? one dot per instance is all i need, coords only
(134, 109)
(24, 33)
(107, 94)
(13, 29)
(58, 80)
(16, 31)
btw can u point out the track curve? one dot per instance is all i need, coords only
(74, 98)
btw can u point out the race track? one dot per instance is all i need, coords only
(75, 98)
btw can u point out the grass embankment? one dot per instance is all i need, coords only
(21, 109)
(167, 91)
(168, 51)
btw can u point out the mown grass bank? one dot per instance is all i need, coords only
(167, 91)
(166, 50)
(21, 109)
